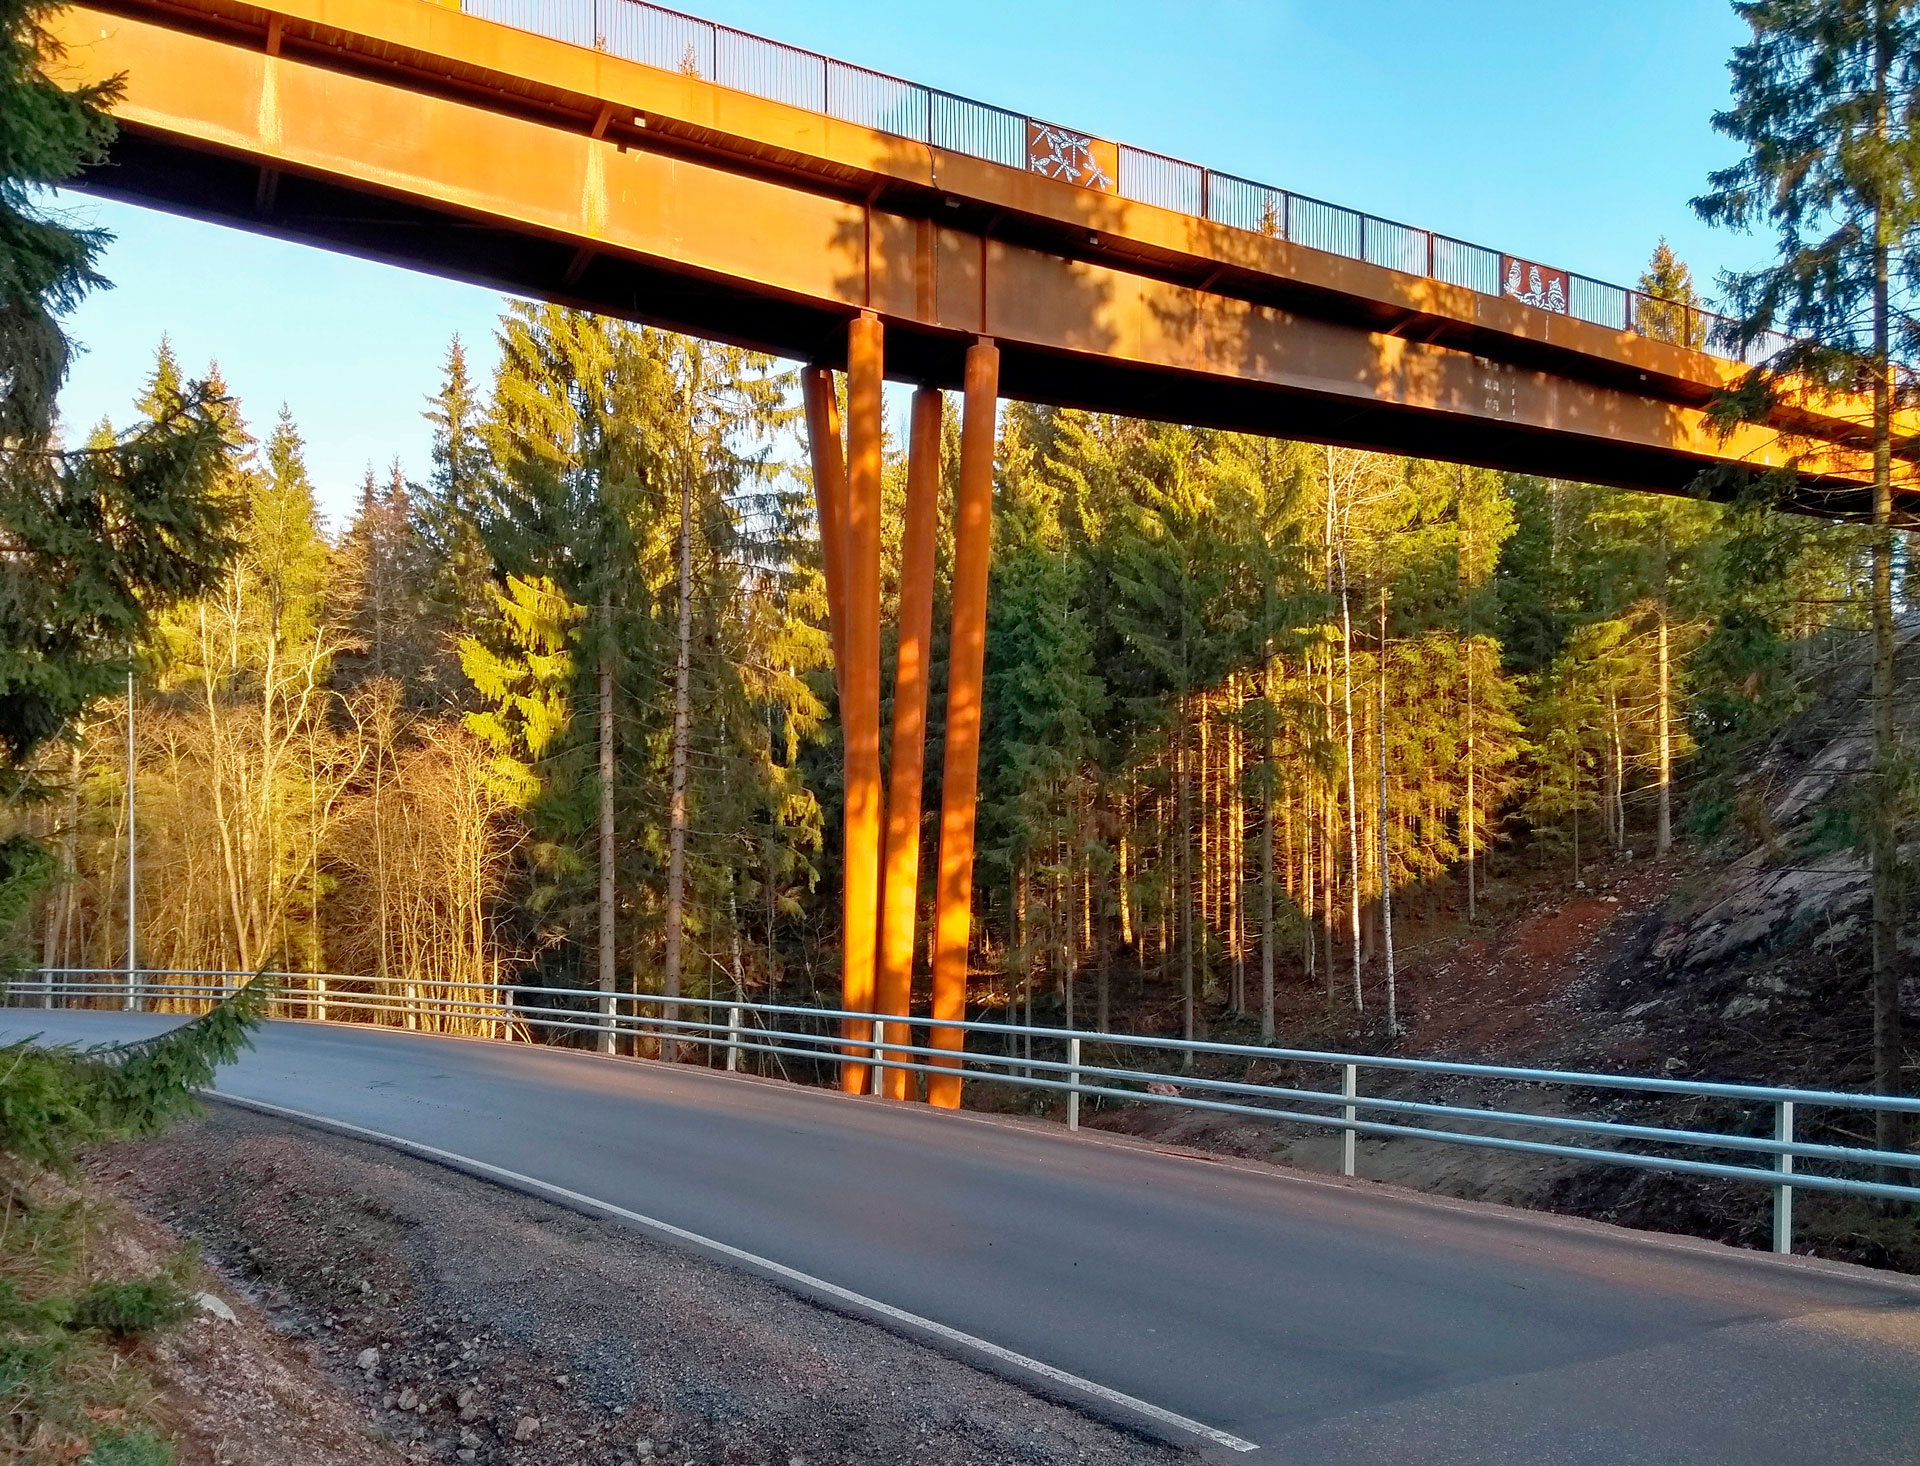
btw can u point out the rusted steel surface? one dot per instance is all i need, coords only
(966, 663)
(827, 452)
(900, 889)
(860, 681)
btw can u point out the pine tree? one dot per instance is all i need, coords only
(1267, 488)
(1657, 551)
(618, 456)
(566, 434)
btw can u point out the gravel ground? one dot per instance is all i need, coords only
(474, 1324)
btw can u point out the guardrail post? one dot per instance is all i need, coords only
(733, 1039)
(1350, 1087)
(1783, 1195)
(1073, 1079)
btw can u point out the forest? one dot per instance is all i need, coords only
(1259, 714)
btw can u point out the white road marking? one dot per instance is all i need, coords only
(581, 1202)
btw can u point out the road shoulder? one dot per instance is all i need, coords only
(507, 1329)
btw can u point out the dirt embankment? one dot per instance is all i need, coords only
(463, 1323)
(1633, 974)
(1746, 960)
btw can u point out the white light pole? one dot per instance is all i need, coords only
(133, 885)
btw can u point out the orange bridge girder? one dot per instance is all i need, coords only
(410, 132)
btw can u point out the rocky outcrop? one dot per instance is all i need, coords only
(1755, 908)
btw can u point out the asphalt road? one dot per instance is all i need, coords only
(1327, 1322)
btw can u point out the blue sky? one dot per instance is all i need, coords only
(1572, 133)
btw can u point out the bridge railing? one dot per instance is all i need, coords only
(670, 40)
(1758, 1142)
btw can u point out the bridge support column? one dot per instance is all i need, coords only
(960, 782)
(900, 894)
(830, 500)
(860, 694)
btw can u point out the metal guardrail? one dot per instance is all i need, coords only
(670, 40)
(729, 1029)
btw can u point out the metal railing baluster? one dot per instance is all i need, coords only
(1350, 1087)
(1783, 1195)
(1073, 1095)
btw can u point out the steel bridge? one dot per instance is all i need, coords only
(628, 159)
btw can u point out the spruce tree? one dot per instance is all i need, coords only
(616, 456)
(1672, 309)
(98, 539)
(449, 509)
(1043, 695)
(1826, 106)
(48, 133)
(400, 631)
(1170, 571)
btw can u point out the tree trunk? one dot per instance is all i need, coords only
(380, 970)
(316, 947)
(1203, 809)
(1103, 937)
(1386, 868)
(1329, 805)
(1663, 835)
(1267, 800)
(1183, 779)
(1018, 996)
(1616, 823)
(608, 936)
(1470, 811)
(1236, 856)
(1308, 893)
(1889, 1127)
(1576, 818)
(69, 858)
(677, 807)
(1329, 880)
(1353, 802)
(1164, 863)
(739, 980)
